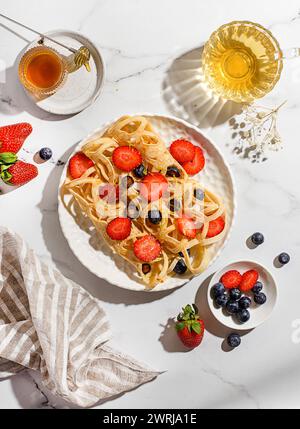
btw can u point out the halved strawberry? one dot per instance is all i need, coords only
(79, 164)
(215, 227)
(127, 158)
(197, 164)
(153, 186)
(182, 151)
(249, 278)
(12, 137)
(231, 279)
(119, 228)
(186, 226)
(147, 248)
(109, 193)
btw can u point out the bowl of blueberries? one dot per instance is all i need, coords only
(242, 295)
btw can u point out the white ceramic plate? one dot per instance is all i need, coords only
(93, 252)
(81, 88)
(259, 313)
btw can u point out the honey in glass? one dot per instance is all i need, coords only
(42, 70)
(242, 61)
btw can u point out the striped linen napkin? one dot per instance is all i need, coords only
(50, 324)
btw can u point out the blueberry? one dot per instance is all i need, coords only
(45, 153)
(260, 298)
(221, 300)
(234, 340)
(174, 205)
(154, 217)
(218, 290)
(257, 239)
(243, 316)
(173, 172)
(244, 302)
(258, 287)
(199, 194)
(232, 307)
(140, 172)
(235, 294)
(181, 254)
(146, 268)
(284, 258)
(180, 267)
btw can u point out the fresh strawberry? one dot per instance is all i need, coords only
(79, 164)
(189, 327)
(197, 164)
(182, 151)
(19, 173)
(127, 158)
(186, 226)
(12, 137)
(109, 193)
(232, 279)
(215, 227)
(153, 186)
(147, 248)
(119, 228)
(249, 279)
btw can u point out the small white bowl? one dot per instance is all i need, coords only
(259, 313)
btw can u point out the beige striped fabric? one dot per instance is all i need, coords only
(50, 324)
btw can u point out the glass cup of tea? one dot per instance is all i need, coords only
(242, 61)
(42, 71)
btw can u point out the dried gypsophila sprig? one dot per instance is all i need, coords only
(257, 131)
(263, 130)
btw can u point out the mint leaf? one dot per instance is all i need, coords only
(196, 327)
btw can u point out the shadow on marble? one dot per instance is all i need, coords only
(212, 325)
(13, 98)
(26, 391)
(67, 262)
(187, 95)
(240, 145)
(170, 340)
(250, 244)
(277, 264)
(32, 394)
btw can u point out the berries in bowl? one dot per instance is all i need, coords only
(242, 295)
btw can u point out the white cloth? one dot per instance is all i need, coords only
(50, 324)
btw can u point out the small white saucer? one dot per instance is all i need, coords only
(259, 313)
(81, 88)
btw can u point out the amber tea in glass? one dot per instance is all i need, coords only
(242, 61)
(42, 70)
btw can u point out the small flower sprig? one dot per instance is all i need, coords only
(255, 130)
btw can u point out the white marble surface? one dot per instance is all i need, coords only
(140, 39)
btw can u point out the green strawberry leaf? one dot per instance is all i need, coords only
(8, 158)
(180, 326)
(5, 167)
(196, 327)
(6, 176)
(188, 309)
